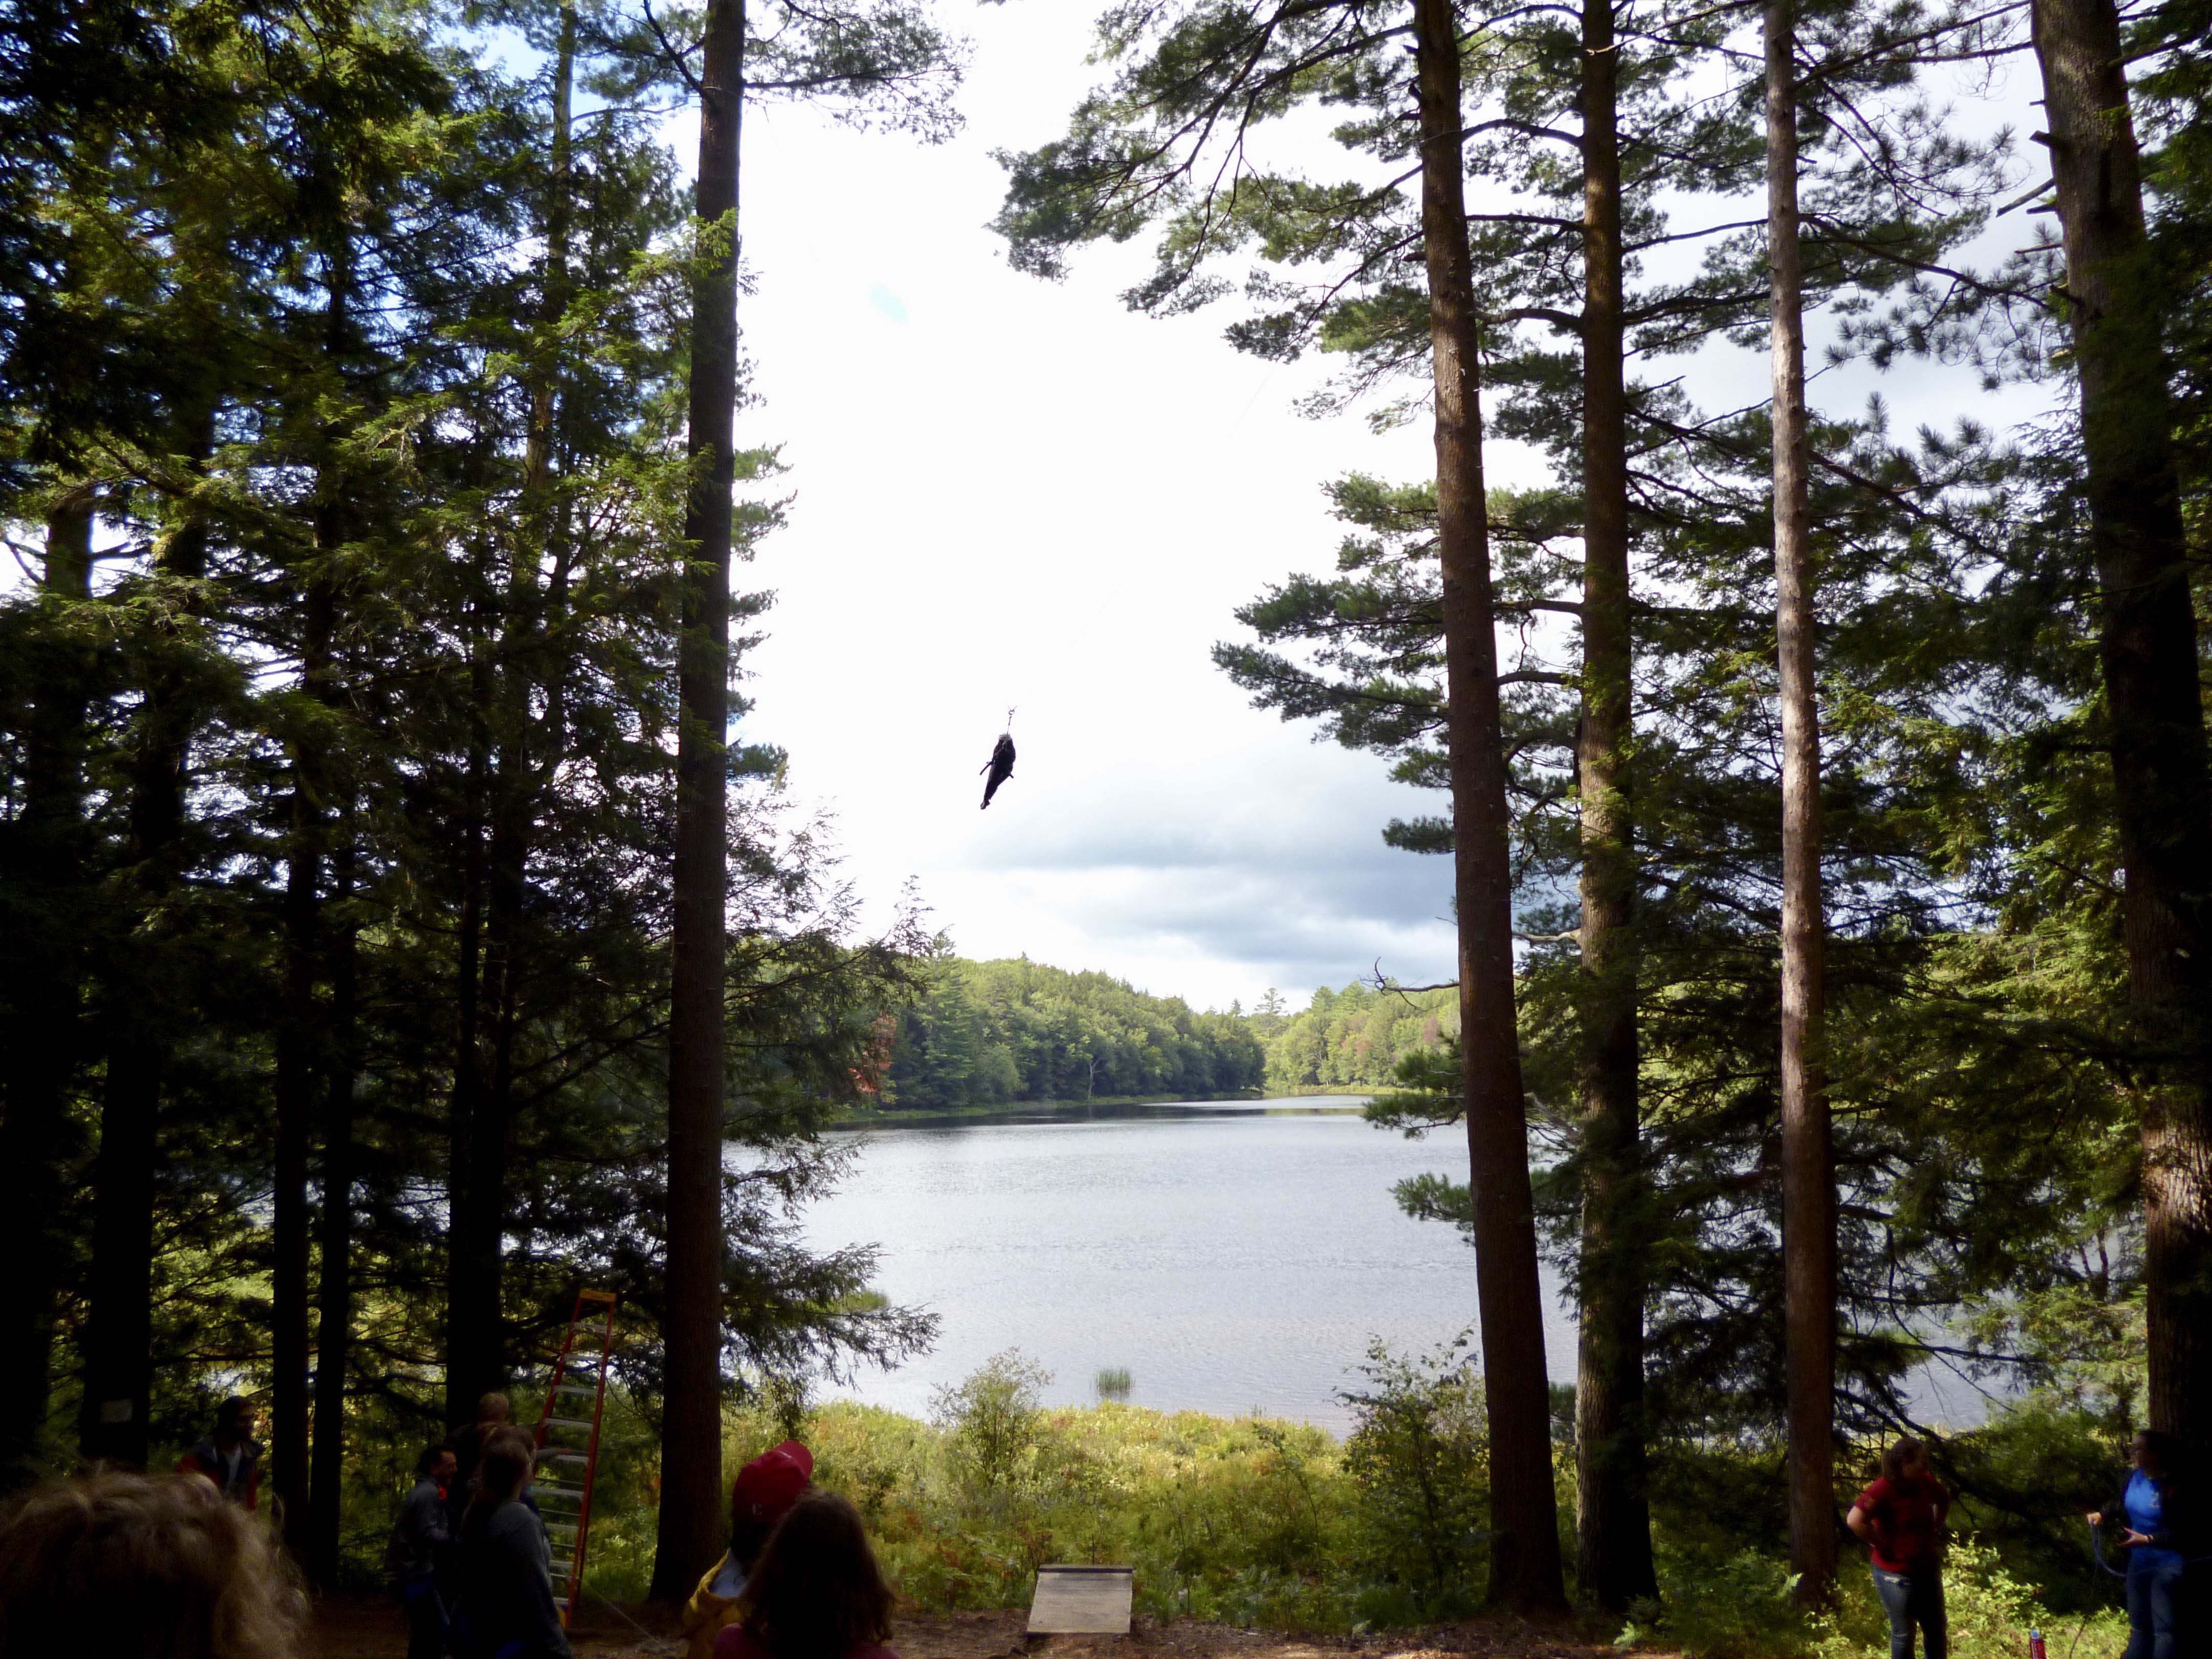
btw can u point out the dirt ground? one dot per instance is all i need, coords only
(363, 1628)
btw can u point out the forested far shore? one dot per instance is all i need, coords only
(1011, 1031)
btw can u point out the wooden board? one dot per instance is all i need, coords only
(1082, 1602)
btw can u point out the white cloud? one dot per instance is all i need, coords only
(1010, 492)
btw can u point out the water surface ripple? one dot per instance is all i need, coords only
(1228, 1257)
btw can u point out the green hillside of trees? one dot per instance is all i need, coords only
(1352, 1039)
(992, 1033)
(988, 1032)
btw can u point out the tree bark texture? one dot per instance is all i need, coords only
(2146, 646)
(690, 1522)
(1614, 1519)
(44, 856)
(120, 1336)
(1525, 1563)
(334, 1327)
(1808, 1175)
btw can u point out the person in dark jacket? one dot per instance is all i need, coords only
(230, 1456)
(2158, 1518)
(421, 1541)
(503, 1607)
(1900, 1516)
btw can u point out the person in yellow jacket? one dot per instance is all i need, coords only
(767, 1487)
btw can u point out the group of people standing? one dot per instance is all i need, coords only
(469, 1553)
(471, 1561)
(117, 1562)
(2158, 1524)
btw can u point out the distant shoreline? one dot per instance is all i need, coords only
(1076, 1111)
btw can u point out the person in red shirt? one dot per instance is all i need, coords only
(1900, 1516)
(230, 1457)
(816, 1592)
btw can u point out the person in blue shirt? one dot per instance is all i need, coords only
(2158, 1515)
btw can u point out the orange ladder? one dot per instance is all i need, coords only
(565, 1501)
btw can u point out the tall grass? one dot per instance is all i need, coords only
(1113, 1384)
(1263, 1523)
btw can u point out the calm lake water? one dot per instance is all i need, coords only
(1227, 1257)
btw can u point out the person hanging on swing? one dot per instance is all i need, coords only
(2158, 1518)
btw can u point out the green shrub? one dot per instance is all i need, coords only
(991, 1419)
(1742, 1608)
(1734, 1607)
(1420, 1455)
(1275, 1524)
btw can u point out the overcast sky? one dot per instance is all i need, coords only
(1008, 492)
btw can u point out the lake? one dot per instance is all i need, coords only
(1228, 1256)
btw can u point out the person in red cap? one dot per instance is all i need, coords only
(816, 1592)
(767, 1487)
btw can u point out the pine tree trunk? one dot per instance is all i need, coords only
(472, 1345)
(478, 1361)
(296, 1053)
(119, 1326)
(299, 1054)
(302, 1037)
(504, 770)
(691, 1520)
(45, 854)
(1613, 1522)
(119, 1337)
(334, 1332)
(1525, 1564)
(2147, 648)
(1809, 1176)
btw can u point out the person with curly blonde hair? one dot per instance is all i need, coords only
(116, 1566)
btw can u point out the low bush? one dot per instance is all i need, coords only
(1421, 1461)
(1263, 1523)
(1238, 1519)
(1249, 1520)
(1742, 1607)
(1990, 1614)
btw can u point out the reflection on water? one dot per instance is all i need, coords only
(1227, 1257)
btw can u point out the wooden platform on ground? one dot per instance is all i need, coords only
(1072, 1600)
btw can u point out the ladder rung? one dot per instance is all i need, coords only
(569, 1423)
(568, 1494)
(576, 1388)
(562, 1455)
